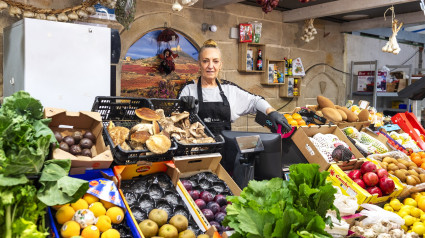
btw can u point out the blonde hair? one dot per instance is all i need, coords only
(208, 44)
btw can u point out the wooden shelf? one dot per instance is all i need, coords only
(243, 53)
(267, 78)
(287, 90)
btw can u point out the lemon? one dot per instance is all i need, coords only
(388, 208)
(409, 220)
(116, 214)
(90, 198)
(411, 202)
(103, 223)
(80, 204)
(423, 217)
(90, 232)
(419, 229)
(404, 227)
(106, 204)
(417, 222)
(111, 233)
(402, 214)
(69, 229)
(64, 214)
(395, 204)
(415, 212)
(97, 209)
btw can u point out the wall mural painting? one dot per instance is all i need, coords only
(158, 64)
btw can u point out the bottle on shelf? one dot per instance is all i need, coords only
(286, 66)
(290, 67)
(259, 61)
(296, 87)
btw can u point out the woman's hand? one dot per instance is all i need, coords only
(277, 118)
(188, 103)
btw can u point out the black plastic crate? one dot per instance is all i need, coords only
(174, 105)
(118, 108)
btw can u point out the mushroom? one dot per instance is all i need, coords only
(151, 128)
(158, 144)
(175, 117)
(196, 133)
(138, 139)
(118, 134)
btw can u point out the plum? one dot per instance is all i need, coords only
(214, 207)
(219, 217)
(194, 194)
(200, 203)
(220, 199)
(209, 215)
(206, 196)
(187, 185)
(223, 208)
(217, 226)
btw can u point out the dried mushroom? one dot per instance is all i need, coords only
(118, 135)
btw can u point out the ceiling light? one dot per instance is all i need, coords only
(355, 17)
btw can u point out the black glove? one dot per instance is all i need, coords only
(277, 118)
(188, 103)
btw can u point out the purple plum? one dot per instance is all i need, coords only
(209, 215)
(194, 194)
(219, 217)
(220, 199)
(214, 207)
(217, 226)
(200, 203)
(187, 185)
(206, 196)
(223, 208)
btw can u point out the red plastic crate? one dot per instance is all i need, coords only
(408, 123)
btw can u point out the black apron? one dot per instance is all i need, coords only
(215, 115)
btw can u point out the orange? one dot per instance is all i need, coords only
(416, 159)
(423, 165)
(413, 154)
(301, 122)
(422, 154)
(421, 203)
(296, 116)
(292, 122)
(287, 116)
(311, 124)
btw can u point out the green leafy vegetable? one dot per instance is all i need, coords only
(284, 209)
(56, 187)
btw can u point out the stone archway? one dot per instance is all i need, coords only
(322, 84)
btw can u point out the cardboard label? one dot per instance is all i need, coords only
(106, 190)
(309, 149)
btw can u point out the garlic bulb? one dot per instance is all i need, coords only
(28, 14)
(3, 5)
(62, 17)
(52, 17)
(73, 16)
(82, 14)
(15, 11)
(40, 16)
(90, 10)
(176, 6)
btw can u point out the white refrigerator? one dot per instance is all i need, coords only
(64, 65)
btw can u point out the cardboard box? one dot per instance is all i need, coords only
(339, 178)
(379, 137)
(67, 122)
(358, 125)
(91, 175)
(367, 77)
(126, 172)
(309, 150)
(194, 164)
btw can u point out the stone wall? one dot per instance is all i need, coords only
(281, 39)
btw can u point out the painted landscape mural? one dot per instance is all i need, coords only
(140, 75)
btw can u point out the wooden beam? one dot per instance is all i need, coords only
(336, 8)
(379, 22)
(217, 3)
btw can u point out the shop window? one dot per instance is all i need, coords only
(155, 68)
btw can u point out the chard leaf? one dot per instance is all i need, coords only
(12, 181)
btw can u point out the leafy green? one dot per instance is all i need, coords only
(24, 136)
(56, 187)
(283, 209)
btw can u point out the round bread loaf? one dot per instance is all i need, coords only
(351, 116)
(343, 114)
(325, 102)
(364, 115)
(332, 114)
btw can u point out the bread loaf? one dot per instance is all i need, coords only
(325, 102)
(332, 114)
(343, 114)
(364, 115)
(351, 116)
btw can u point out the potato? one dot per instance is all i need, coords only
(422, 178)
(392, 166)
(410, 180)
(401, 166)
(405, 162)
(413, 167)
(412, 164)
(399, 174)
(413, 172)
(364, 115)
(387, 160)
(418, 181)
(405, 171)
(325, 102)
(417, 170)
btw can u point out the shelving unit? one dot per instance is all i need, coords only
(375, 95)
(242, 62)
(265, 79)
